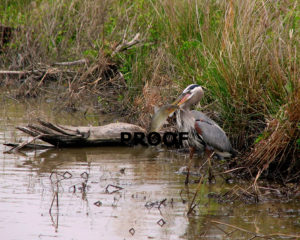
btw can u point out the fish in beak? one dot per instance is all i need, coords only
(160, 117)
(181, 99)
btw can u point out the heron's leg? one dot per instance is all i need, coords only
(192, 151)
(210, 174)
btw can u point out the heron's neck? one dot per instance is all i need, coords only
(186, 107)
(185, 120)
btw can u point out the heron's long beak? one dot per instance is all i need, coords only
(181, 99)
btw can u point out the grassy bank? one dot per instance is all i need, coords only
(246, 53)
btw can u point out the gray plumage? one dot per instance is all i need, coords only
(204, 133)
(212, 134)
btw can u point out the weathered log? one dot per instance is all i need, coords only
(69, 136)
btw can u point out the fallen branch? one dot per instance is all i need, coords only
(14, 72)
(77, 62)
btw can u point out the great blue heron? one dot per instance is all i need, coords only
(203, 132)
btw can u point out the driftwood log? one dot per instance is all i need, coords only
(69, 136)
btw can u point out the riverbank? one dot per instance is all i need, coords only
(130, 56)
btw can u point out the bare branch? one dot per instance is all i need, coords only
(125, 45)
(77, 62)
(17, 148)
(14, 72)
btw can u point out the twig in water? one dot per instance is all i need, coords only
(255, 186)
(232, 226)
(232, 170)
(161, 222)
(72, 188)
(180, 194)
(117, 188)
(157, 204)
(192, 205)
(55, 196)
(67, 175)
(98, 203)
(132, 231)
(84, 175)
(256, 234)
(162, 202)
(17, 148)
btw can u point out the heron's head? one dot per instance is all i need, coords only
(190, 96)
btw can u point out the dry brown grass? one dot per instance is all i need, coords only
(277, 154)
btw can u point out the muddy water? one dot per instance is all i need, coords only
(115, 193)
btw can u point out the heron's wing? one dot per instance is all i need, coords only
(201, 115)
(213, 135)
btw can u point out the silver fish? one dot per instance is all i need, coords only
(161, 116)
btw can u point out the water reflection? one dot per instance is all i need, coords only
(52, 159)
(143, 174)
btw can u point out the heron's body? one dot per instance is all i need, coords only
(204, 133)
